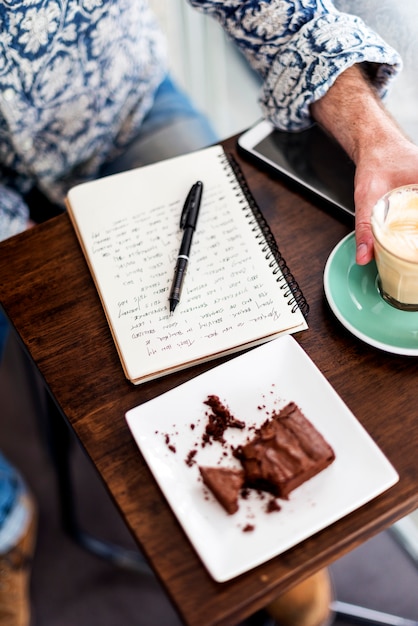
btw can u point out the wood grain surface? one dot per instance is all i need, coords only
(48, 294)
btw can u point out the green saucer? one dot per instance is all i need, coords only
(353, 295)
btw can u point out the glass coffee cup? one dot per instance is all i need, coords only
(395, 232)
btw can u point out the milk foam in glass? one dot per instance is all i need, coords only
(395, 231)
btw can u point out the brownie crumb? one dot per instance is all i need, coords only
(248, 528)
(218, 421)
(245, 493)
(190, 460)
(272, 506)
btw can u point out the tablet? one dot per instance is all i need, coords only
(310, 158)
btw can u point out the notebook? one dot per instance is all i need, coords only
(238, 291)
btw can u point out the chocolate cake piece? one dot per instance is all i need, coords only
(225, 483)
(286, 452)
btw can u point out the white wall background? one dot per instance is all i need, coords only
(208, 67)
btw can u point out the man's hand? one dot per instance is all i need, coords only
(383, 156)
(378, 171)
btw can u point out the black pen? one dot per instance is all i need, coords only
(188, 223)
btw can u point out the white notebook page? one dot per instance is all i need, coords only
(128, 225)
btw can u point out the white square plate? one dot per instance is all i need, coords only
(167, 428)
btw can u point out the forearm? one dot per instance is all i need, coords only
(353, 113)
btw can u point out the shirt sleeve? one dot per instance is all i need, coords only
(14, 213)
(299, 47)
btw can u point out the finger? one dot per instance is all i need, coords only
(364, 244)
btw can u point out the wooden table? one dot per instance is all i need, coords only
(47, 293)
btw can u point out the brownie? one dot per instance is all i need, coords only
(225, 483)
(286, 451)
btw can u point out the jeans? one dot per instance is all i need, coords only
(13, 512)
(172, 127)
(4, 331)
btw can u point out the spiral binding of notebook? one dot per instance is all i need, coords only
(285, 278)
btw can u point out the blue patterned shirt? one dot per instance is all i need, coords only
(77, 78)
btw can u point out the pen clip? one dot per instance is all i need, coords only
(186, 208)
(195, 190)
